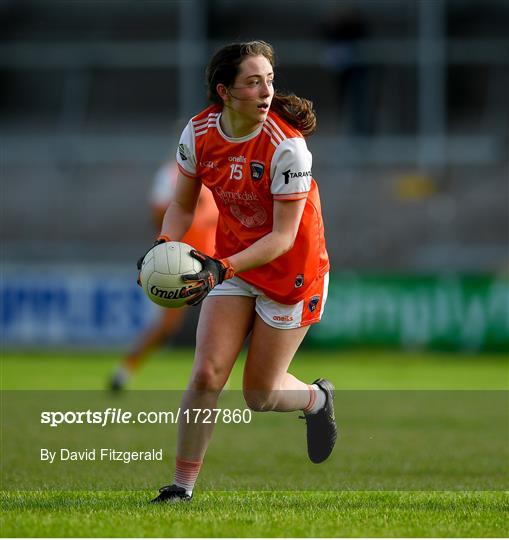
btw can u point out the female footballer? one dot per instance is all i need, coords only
(269, 276)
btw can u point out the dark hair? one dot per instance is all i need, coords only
(224, 67)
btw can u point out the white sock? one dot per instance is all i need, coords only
(186, 473)
(316, 400)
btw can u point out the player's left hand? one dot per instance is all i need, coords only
(213, 272)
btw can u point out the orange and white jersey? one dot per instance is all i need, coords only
(201, 234)
(245, 176)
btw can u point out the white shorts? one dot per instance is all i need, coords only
(307, 311)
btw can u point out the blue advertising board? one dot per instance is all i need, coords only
(89, 306)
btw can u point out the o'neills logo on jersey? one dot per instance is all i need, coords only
(237, 159)
(171, 294)
(235, 196)
(289, 175)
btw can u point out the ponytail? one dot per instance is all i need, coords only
(298, 112)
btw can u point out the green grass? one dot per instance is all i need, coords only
(258, 514)
(238, 512)
(368, 370)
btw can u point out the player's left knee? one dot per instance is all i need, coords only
(261, 400)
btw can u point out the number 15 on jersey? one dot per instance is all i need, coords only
(236, 171)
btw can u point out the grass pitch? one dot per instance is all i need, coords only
(243, 513)
(257, 514)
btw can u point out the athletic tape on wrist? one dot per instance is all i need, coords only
(230, 271)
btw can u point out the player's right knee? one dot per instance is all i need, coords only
(208, 378)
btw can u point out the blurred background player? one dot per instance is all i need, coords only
(201, 236)
(345, 28)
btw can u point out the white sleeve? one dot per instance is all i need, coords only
(186, 151)
(290, 170)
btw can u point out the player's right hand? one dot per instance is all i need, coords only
(160, 240)
(213, 272)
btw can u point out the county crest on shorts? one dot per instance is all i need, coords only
(257, 170)
(313, 302)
